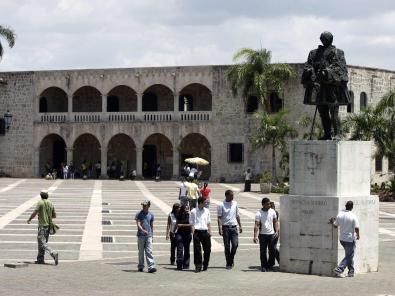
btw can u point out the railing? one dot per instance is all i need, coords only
(87, 117)
(53, 117)
(158, 116)
(121, 117)
(195, 116)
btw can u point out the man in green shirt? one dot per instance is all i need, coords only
(45, 211)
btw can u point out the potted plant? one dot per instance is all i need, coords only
(266, 182)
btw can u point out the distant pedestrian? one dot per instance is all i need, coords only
(267, 226)
(71, 170)
(183, 238)
(192, 193)
(171, 230)
(187, 169)
(145, 226)
(228, 218)
(65, 171)
(98, 169)
(201, 229)
(182, 193)
(205, 193)
(349, 233)
(158, 172)
(46, 212)
(277, 252)
(247, 180)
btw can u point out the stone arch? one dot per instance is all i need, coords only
(121, 155)
(86, 150)
(52, 153)
(157, 149)
(195, 97)
(350, 107)
(53, 99)
(363, 101)
(196, 145)
(125, 97)
(158, 97)
(87, 99)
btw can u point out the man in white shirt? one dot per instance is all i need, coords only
(200, 220)
(228, 218)
(182, 195)
(349, 233)
(266, 222)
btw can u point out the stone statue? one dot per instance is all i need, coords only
(325, 78)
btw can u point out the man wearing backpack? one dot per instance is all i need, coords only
(45, 211)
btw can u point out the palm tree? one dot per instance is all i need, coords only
(9, 35)
(255, 76)
(273, 130)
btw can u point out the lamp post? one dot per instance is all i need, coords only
(5, 122)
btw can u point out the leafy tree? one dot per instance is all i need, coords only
(9, 35)
(255, 75)
(273, 130)
(306, 122)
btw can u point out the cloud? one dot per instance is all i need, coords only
(69, 34)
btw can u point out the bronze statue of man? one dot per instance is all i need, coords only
(325, 78)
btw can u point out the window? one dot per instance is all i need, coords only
(235, 152)
(252, 104)
(276, 103)
(112, 104)
(350, 107)
(363, 101)
(379, 164)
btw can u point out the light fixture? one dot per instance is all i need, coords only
(8, 119)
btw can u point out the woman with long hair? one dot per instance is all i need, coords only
(183, 238)
(170, 231)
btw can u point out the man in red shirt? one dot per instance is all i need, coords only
(205, 193)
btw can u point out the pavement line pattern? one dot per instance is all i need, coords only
(91, 246)
(13, 214)
(238, 190)
(13, 185)
(215, 246)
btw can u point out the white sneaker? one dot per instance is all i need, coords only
(338, 274)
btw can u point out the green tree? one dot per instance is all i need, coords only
(9, 35)
(254, 75)
(274, 131)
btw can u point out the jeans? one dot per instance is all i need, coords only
(42, 240)
(183, 241)
(192, 203)
(247, 185)
(201, 238)
(145, 246)
(348, 261)
(173, 245)
(230, 236)
(184, 201)
(267, 241)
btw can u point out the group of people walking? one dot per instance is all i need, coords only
(186, 224)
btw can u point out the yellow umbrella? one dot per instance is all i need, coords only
(197, 160)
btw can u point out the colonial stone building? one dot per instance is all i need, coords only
(142, 117)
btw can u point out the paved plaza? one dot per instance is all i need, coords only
(88, 211)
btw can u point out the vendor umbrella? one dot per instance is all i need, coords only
(197, 161)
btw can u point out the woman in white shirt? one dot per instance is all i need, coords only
(171, 230)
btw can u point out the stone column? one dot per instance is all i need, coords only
(176, 107)
(104, 103)
(36, 163)
(139, 161)
(70, 107)
(176, 163)
(103, 161)
(69, 152)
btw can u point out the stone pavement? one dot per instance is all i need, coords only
(88, 210)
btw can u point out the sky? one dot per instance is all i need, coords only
(80, 34)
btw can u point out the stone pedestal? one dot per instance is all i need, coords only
(324, 175)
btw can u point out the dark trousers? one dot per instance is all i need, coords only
(276, 251)
(329, 117)
(173, 246)
(201, 238)
(267, 241)
(247, 185)
(230, 236)
(183, 241)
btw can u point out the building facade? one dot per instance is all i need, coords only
(135, 119)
